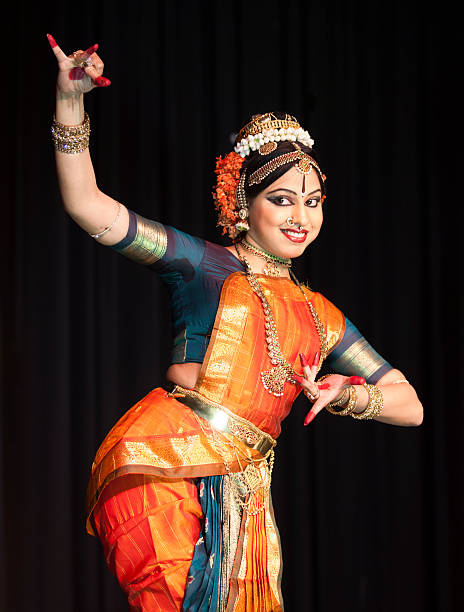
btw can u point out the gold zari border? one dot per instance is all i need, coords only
(222, 419)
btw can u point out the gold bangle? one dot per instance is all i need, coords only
(350, 407)
(342, 400)
(71, 138)
(374, 404)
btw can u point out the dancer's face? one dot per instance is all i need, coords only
(288, 196)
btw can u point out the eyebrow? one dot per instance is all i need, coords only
(292, 192)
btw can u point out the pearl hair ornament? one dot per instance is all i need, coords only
(256, 141)
(267, 128)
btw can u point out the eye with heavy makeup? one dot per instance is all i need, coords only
(287, 199)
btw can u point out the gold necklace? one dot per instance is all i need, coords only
(274, 379)
(270, 269)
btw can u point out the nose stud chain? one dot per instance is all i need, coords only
(291, 223)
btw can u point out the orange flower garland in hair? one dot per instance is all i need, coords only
(228, 176)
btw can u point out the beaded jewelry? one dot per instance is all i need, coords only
(242, 204)
(270, 269)
(374, 404)
(304, 165)
(71, 138)
(274, 379)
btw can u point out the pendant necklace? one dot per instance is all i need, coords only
(281, 371)
(271, 268)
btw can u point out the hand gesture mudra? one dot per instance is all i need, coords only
(321, 394)
(79, 72)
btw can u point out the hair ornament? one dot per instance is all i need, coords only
(267, 148)
(305, 165)
(267, 128)
(227, 197)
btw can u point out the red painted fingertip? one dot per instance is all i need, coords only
(102, 82)
(298, 379)
(91, 49)
(304, 363)
(316, 358)
(324, 386)
(52, 41)
(309, 417)
(356, 380)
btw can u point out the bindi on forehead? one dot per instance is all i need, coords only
(303, 187)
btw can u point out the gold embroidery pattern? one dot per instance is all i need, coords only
(360, 358)
(231, 521)
(150, 242)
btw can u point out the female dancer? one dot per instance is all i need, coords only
(179, 489)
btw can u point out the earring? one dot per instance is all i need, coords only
(240, 198)
(242, 225)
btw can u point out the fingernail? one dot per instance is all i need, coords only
(309, 417)
(102, 82)
(92, 49)
(324, 386)
(356, 380)
(52, 41)
(316, 358)
(298, 379)
(304, 363)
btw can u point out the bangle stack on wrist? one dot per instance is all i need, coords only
(374, 404)
(71, 138)
(352, 402)
(372, 410)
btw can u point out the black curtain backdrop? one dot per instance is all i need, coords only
(369, 513)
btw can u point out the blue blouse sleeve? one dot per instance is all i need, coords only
(161, 248)
(354, 356)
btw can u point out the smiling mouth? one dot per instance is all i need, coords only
(294, 235)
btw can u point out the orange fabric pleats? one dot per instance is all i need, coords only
(254, 583)
(149, 527)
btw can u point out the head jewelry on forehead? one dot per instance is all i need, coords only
(305, 165)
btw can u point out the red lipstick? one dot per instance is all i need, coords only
(288, 233)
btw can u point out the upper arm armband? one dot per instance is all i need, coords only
(354, 356)
(146, 241)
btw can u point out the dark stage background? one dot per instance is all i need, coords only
(368, 512)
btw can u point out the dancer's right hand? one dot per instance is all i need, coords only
(74, 79)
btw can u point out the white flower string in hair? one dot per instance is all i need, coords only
(266, 129)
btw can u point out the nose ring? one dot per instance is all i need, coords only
(291, 223)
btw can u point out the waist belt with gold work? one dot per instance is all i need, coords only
(224, 420)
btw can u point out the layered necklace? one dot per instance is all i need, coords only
(281, 371)
(272, 261)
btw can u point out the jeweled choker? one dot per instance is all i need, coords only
(271, 268)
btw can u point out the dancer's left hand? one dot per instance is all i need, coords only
(323, 393)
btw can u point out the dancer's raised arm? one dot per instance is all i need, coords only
(93, 210)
